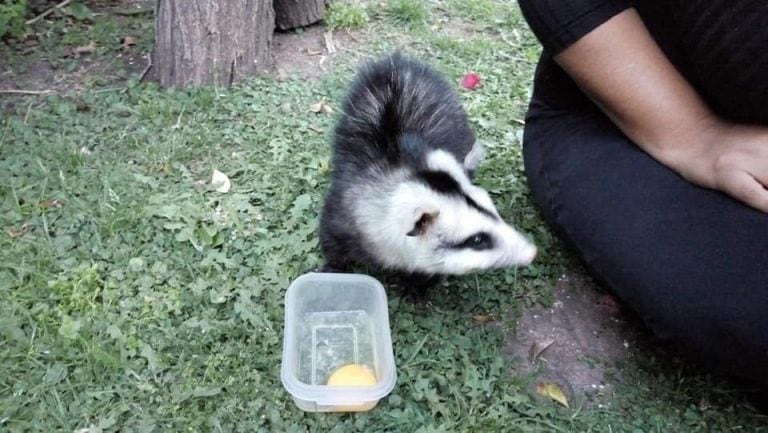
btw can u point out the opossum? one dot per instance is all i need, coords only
(401, 196)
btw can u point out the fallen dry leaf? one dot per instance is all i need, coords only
(538, 347)
(311, 52)
(321, 107)
(52, 203)
(85, 49)
(484, 318)
(128, 41)
(220, 181)
(552, 391)
(77, 51)
(316, 128)
(14, 232)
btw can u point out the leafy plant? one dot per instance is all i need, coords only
(342, 15)
(12, 18)
(409, 12)
(78, 11)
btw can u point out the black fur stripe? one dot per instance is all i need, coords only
(444, 183)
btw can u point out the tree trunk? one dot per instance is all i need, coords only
(211, 42)
(290, 14)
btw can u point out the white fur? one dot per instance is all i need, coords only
(444, 161)
(387, 209)
(474, 157)
(440, 160)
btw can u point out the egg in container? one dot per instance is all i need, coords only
(337, 347)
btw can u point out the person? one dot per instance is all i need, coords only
(646, 151)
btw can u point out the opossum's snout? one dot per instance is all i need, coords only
(495, 245)
(527, 256)
(516, 249)
(504, 248)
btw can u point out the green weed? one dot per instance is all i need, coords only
(342, 15)
(413, 13)
(479, 10)
(12, 18)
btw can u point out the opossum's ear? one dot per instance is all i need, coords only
(423, 221)
(473, 158)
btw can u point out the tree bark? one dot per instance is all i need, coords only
(211, 42)
(290, 14)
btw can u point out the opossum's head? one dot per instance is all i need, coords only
(441, 223)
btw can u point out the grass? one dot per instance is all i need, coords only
(412, 13)
(12, 17)
(343, 15)
(140, 299)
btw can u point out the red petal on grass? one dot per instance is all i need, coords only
(471, 81)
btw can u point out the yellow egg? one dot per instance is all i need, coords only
(352, 375)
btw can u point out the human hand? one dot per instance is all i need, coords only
(729, 158)
(620, 66)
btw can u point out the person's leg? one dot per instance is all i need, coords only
(692, 262)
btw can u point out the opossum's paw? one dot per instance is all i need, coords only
(331, 269)
(416, 296)
(414, 287)
(421, 281)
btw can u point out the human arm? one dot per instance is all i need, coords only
(605, 47)
(623, 70)
(619, 65)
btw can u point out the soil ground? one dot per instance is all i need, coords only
(581, 343)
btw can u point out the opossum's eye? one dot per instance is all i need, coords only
(478, 241)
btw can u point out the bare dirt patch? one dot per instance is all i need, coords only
(44, 75)
(313, 51)
(581, 343)
(104, 52)
(305, 53)
(459, 29)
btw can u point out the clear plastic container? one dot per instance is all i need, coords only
(333, 320)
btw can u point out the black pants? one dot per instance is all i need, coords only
(691, 262)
